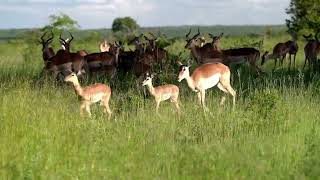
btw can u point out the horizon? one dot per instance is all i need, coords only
(99, 14)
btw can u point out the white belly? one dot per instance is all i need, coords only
(210, 82)
(95, 97)
(165, 97)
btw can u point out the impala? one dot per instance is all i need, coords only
(91, 94)
(162, 93)
(280, 51)
(104, 61)
(47, 52)
(65, 61)
(207, 76)
(211, 52)
(311, 50)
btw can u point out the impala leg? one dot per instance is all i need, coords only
(275, 63)
(176, 102)
(87, 107)
(305, 62)
(82, 107)
(199, 98)
(157, 106)
(294, 61)
(107, 109)
(282, 59)
(223, 99)
(289, 61)
(203, 97)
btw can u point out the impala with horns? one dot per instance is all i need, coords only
(91, 94)
(104, 61)
(47, 52)
(162, 93)
(207, 76)
(280, 52)
(65, 61)
(159, 53)
(311, 51)
(211, 52)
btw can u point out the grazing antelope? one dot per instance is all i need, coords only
(47, 52)
(280, 51)
(207, 76)
(311, 50)
(91, 94)
(162, 93)
(104, 46)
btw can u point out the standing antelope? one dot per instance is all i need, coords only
(280, 51)
(47, 52)
(207, 76)
(162, 93)
(311, 50)
(91, 94)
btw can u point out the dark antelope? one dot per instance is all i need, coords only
(311, 50)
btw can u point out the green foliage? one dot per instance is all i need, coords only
(304, 16)
(124, 25)
(61, 22)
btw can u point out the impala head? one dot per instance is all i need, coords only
(183, 71)
(45, 43)
(216, 39)
(65, 43)
(152, 41)
(72, 77)
(264, 57)
(148, 79)
(191, 41)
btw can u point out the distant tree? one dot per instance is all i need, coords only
(304, 16)
(61, 22)
(125, 24)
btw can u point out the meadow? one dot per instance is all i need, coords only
(273, 133)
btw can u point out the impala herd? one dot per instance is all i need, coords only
(212, 70)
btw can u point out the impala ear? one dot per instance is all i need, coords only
(179, 63)
(189, 63)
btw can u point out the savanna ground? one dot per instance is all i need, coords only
(273, 133)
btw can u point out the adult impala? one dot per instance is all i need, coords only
(311, 50)
(207, 76)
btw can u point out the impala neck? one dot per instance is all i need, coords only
(151, 89)
(190, 83)
(195, 53)
(77, 88)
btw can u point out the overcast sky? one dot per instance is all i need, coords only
(100, 13)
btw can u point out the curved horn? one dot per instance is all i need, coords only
(50, 37)
(307, 37)
(198, 30)
(60, 38)
(43, 36)
(71, 37)
(187, 35)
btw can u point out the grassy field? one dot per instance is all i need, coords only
(274, 132)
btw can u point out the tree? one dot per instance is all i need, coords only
(125, 24)
(61, 22)
(304, 16)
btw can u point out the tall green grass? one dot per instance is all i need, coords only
(273, 133)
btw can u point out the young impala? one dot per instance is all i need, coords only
(162, 93)
(91, 94)
(207, 76)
